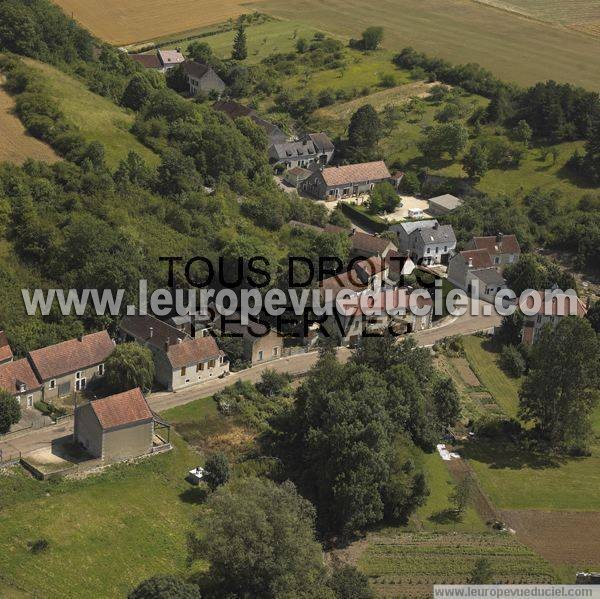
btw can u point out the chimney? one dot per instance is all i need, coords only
(436, 225)
(499, 237)
(167, 343)
(179, 340)
(80, 338)
(470, 262)
(150, 332)
(353, 230)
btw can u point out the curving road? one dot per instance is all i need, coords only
(28, 441)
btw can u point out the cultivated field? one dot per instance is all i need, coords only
(128, 21)
(97, 118)
(408, 564)
(571, 538)
(515, 48)
(16, 145)
(578, 14)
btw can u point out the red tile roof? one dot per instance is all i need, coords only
(355, 173)
(555, 305)
(372, 265)
(369, 243)
(388, 302)
(508, 244)
(69, 356)
(480, 258)
(12, 374)
(5, 350)
(148, 61)
(193, 351)
(346, 280)
(122, 409)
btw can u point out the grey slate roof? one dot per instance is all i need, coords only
(490, 276)
(411, 226)
(441, 234)
(294, 149)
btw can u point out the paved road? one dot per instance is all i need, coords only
(28, 441)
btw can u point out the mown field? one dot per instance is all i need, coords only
(515, 48)
(16, 144)
(263, 39)
(123, 22)
(97, 118)
(555, 11)
(105, 533)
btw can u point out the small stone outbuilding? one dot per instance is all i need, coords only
(117, 427)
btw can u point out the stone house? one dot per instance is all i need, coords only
(169, 59)
(179, 359)
(19, 379)
(504, 249)
(338, 182)
(427, 241)
(115, 428)
(202, 78)
(553, 307)
(475, 269)
(310, 150)
(260, 343)
(70, 366)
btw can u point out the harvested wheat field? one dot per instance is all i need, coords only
(15, 143)
(128, 21)
(516, 48)
(561, 537)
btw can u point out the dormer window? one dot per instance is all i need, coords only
(22, 387)
(78, 375)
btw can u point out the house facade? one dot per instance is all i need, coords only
(472, 270)
(364, 245)
(426, 241)
(504, 249)
(296, 176)
(553, 307)
(69, 367)
(179, 359)
(260, 343)
(338, 182)
(18, 378)
(115, 428)
(202, 78)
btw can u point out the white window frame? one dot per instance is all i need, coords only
(52, 384)
(101, 369)
(260, 355)
(78, 375)
(30, 401)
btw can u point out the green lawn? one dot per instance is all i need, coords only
(516, 479)
(106, 532)
(433, 515)
(263, 39)
(483, 356)
(97, 118)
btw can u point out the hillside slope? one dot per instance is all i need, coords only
(16, 144)
(97, 118)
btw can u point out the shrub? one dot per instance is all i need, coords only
(39, 546)
(511, 361)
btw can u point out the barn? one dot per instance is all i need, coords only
(117, 427)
